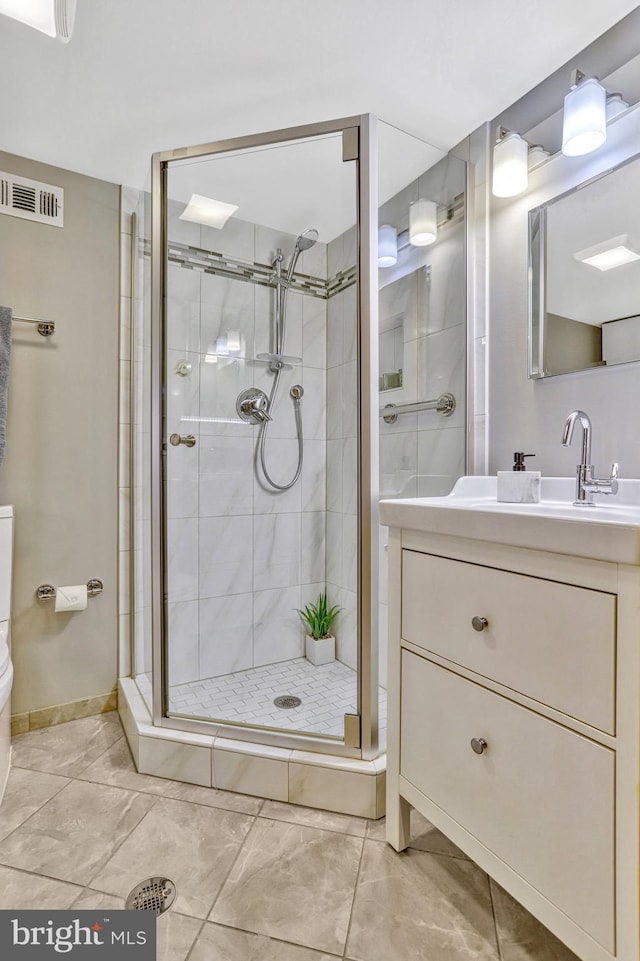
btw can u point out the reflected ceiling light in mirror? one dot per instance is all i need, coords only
(53, 17)
(423, 222)
(584, 128)
(510, 164)
(608, 254)
(387, 246)
(204, 210)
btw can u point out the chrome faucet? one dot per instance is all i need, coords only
(586, 484)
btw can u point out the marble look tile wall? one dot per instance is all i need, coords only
(423, 454)
(133, 455)
(342, 450)
(241, 557)
(478, 147)
(128, 203)
(139, 416)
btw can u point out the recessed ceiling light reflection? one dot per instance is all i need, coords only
(608, 254)
(211, 213)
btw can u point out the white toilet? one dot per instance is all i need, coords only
(6, 667)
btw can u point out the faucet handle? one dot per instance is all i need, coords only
(613, 478)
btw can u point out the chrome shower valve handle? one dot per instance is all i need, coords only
(253, 405)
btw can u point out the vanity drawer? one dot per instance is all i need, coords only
(553, 642)
(540, 796)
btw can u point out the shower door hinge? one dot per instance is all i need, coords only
(352, 730)
(350, 143)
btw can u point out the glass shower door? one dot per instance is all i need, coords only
(260, 436)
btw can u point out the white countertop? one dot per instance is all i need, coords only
(6, 510)
(609, 531)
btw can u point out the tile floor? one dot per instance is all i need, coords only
(328, 692)
(257, 880)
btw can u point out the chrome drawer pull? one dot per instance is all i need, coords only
(479, 623)
(478, 744)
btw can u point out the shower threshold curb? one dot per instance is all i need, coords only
(331, 782)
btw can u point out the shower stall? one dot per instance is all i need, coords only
(257, 439)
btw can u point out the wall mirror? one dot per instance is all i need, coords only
(391, 339)
(584, 276)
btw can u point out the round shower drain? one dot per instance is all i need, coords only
(287, 700)
(154, 894)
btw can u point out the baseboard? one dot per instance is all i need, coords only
(59, 713)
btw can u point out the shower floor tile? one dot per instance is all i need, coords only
(327, 693)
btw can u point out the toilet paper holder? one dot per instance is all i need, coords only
(46, 592)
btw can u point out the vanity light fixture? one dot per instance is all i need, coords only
(425, 218)
(204, 210)
(423, 222)
(53, 17)
(510, 164)
(608, 254)
(615, 104)
(584, 127)
(537, 155)
(387, 246)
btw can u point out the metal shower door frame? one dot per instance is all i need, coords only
(363, 143)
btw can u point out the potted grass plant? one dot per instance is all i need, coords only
(318, 619)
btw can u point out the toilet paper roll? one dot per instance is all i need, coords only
(71, 598)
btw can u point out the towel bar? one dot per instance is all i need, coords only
(45, 327)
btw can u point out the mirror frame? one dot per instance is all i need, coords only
(537, 266)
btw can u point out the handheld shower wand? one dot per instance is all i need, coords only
(304, 241)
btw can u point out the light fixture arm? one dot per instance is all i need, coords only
(577, 76)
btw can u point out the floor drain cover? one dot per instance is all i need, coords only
(154, 894)
(287, 700)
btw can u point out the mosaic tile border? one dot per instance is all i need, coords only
(212, 262)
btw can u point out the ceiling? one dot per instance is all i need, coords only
(302, 182)
(146, 75)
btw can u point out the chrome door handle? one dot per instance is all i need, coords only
(479, 623)
(478, 745)
(176, 439)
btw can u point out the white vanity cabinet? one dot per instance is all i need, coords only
(514, 723)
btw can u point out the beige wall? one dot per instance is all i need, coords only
(60, 469)
(572, 345)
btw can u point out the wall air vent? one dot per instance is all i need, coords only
(20, 197)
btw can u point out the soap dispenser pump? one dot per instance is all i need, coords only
(518, 460)
(519, 485)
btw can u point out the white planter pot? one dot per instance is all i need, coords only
(322, 650)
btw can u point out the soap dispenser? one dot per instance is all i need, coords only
(519, 485)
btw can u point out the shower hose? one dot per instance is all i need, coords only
(296, 395)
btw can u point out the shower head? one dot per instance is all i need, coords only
(307, 239)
